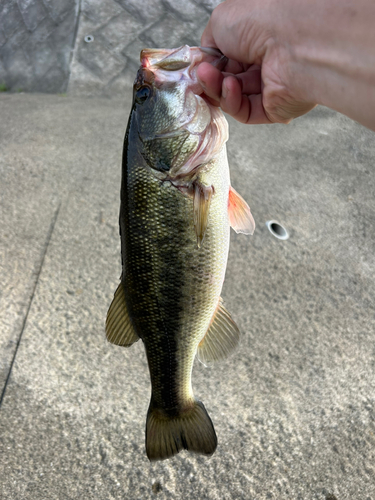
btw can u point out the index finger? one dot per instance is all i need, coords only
(207, 39)
(235, 67)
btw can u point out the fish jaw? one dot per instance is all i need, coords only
(166, 69)
(171, 65)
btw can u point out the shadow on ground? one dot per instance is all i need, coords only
(293, 408)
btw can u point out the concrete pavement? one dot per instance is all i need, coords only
(89, 47)
(293, 408)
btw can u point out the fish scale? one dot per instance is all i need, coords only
(167, 278)
(175, 219)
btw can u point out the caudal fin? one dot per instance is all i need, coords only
(192, 430)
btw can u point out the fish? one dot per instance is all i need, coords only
(177, 206)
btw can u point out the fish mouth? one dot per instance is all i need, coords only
(144, 77)
(175, 59)
(173, 65)
(167, 59)
(163, 68)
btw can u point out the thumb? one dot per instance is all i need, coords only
(207, 39)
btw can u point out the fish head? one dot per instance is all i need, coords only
(178, 129)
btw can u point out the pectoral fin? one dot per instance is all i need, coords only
(119, 329)
(240, 217)
(202, 200)
(221, 338)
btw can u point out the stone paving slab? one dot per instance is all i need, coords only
(38, 169)
(119, 29)
(89, 47)
(293, 408)
(36, 42)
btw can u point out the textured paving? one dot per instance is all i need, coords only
(293, 408)
(36, 42)
(112, 33)
(90, 47)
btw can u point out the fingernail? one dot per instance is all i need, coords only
(202, 82)
(224, 90)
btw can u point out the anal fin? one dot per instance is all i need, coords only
(118, 327)
(221, 339)
(240, 217)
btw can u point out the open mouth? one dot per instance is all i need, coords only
(172, 65)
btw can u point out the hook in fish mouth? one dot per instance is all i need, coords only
(219, 63)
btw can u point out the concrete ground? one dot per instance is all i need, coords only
(293, 408)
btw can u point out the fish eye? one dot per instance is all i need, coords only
(142, 94)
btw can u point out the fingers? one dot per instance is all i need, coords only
(207, 39)
(235, 67)
(241, 89)
(251, 80)
(257, 114)
(239, 96)
(211, 80)
(244, 108)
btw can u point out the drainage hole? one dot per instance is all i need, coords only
(277, 230)
(89, 38)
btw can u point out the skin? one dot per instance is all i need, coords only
(171, 285)
(287, 57)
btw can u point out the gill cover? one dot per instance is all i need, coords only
(178, 129)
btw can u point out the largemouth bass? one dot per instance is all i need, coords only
(177, 207)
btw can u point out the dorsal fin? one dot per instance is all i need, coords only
(118, 327)
(240, 217)
(221, 338)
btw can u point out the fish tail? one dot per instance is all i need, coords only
(190, 429)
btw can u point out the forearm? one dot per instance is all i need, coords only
(331, 49)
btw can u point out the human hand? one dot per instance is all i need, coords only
(257, 84)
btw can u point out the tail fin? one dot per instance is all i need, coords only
(192, 430)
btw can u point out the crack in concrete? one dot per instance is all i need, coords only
(44, 253)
